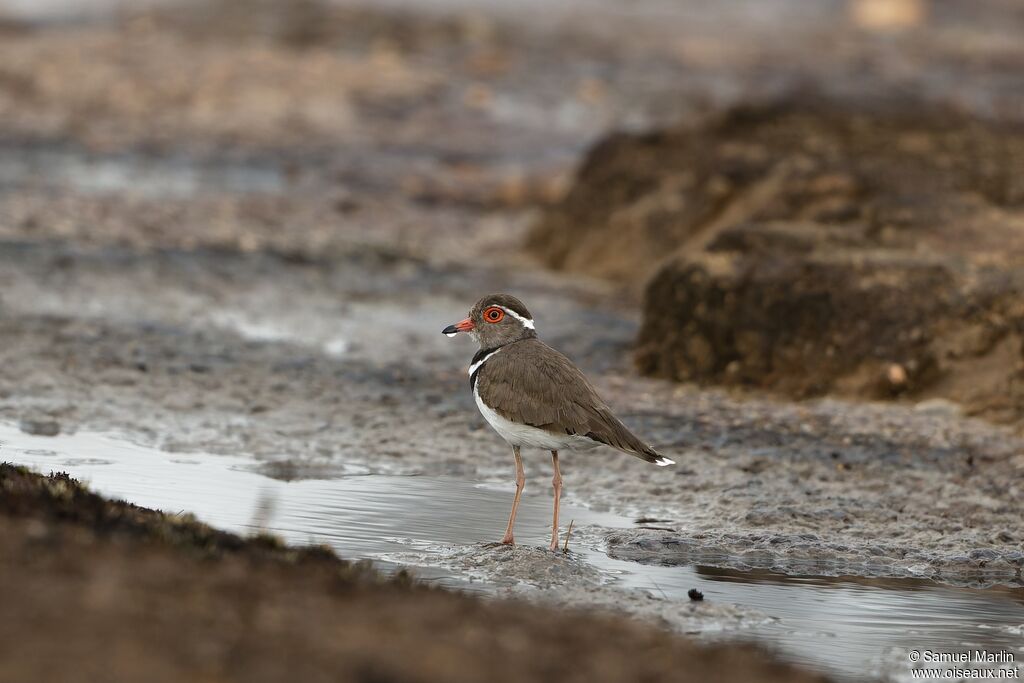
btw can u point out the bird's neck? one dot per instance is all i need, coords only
(486, 348)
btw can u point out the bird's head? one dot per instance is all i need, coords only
(496, 320)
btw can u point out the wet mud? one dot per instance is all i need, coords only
(228, 371)
(441, 529)
(260, 273)
(257, 610)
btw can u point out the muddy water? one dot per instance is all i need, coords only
(848, 627)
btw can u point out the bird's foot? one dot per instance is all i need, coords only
(554, 545)
(507, 540)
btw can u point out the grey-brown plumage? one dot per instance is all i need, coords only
(531, 383)
(533, 396)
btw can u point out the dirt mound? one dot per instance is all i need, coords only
(813, 247)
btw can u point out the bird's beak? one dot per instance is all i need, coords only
(461, 326)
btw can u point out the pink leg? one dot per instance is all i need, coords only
(520, 483)
(556, 482)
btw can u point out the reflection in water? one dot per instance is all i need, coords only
(848, 626)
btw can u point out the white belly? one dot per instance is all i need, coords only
(531, 437)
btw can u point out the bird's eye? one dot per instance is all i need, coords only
(494, 314)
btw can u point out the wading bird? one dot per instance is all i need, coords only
(535, 397)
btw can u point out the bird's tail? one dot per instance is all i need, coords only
(652, 456)
(617, 435)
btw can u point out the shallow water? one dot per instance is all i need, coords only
(846, 626)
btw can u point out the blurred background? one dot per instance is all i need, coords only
(236, 227)
(842, 177)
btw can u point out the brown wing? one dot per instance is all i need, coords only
(530, 383)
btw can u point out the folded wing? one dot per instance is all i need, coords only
(530, 383)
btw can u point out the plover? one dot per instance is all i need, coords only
(535, 397)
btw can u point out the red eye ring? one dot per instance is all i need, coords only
(494, 314)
